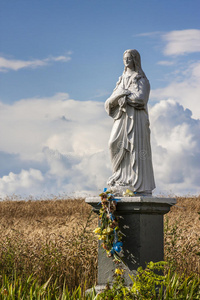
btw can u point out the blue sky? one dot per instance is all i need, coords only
(58, 51)
(96, 32)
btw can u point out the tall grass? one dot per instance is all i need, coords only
(182, 233)
(54, 239)
(49, 239)
(30, 289)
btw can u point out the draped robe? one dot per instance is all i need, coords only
(129, 142)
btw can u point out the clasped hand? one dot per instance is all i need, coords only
(124, 92)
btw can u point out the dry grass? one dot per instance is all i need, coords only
(49, 238)
(55, 238)
(182, 233)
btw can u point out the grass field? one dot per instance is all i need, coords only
(182, 235)
(54, 238)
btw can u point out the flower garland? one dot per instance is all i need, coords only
(108, 231)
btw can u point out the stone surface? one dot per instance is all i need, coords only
(137, 204)
(141, 221)
(129, 142)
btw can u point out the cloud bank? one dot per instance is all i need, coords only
(16, 64)
(180, 42)
(184, 81)
(58, 145)
(184, 88)
(176, 148)
(177, 42)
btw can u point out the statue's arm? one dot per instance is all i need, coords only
(140, 96)
(112, 101)
(115, 103)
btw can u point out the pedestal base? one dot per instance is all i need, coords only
(141, 222)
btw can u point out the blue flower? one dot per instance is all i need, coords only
(117, 246)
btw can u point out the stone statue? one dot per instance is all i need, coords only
(129, 142)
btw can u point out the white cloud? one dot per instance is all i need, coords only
(176, 148)
(27, 182)
(179, 42)
(14, 64)
(150, 34)
(166, 63)
(56, 122)
(184, 88)
(60, 134)
(59, 145)
(184, 81)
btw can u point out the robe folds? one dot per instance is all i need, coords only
(129, 142)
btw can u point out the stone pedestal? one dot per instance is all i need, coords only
(141, 222)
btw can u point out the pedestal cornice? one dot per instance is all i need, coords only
(137, 204)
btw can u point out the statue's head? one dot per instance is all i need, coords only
(135, 55)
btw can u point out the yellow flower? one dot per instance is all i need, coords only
(108, 230)
(119, 271)
(97, 230)
(128, 193)
(102, 237)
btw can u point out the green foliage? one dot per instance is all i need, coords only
(32, 290)
(151, 284)
(198, 253)
(118, 290)
(147, 282)
(181, 287)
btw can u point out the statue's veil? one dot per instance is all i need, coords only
(137, 61)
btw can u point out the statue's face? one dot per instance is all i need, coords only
(128, 61)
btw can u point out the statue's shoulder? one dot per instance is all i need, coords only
(143, 84)
(143, 79)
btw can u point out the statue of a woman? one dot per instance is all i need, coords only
(129, 142)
